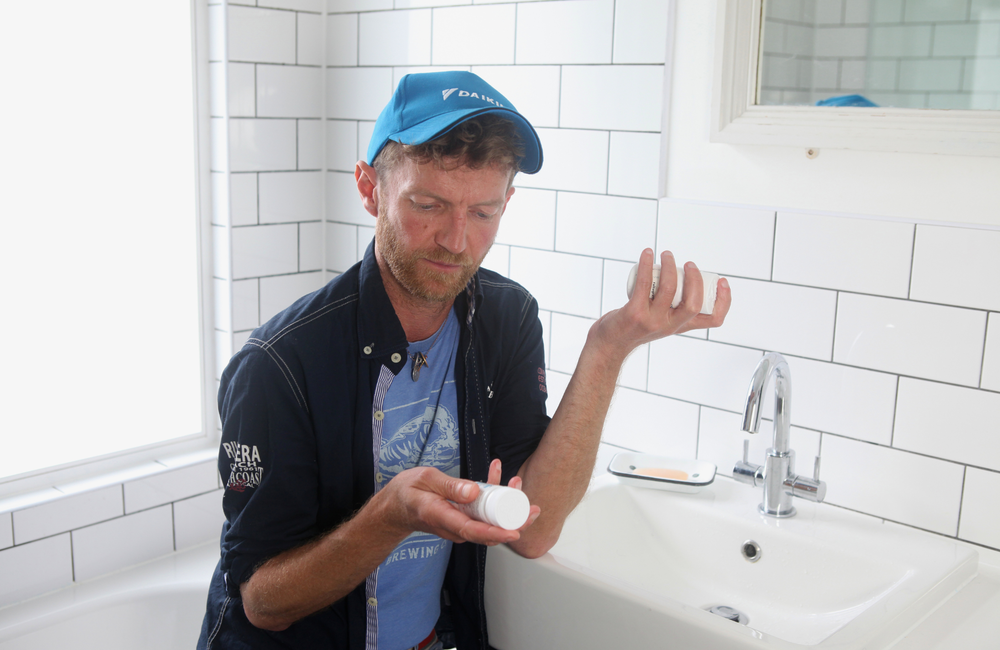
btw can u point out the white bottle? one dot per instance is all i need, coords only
(501, 506)
(710, 281)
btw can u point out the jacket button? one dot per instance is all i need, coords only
(395, 357)
(379, 477)
(379, 415)
(367, 349)
(373, 601)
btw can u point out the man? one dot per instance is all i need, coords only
(352, 418)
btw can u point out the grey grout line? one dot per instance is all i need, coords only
(961, 500)
(913, 255)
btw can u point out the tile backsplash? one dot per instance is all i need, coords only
(891, 327)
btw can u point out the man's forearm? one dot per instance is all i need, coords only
(303, 580)
(557, 474)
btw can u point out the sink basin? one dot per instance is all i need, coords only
(641, 568)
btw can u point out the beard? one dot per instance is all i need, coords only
(421, 282)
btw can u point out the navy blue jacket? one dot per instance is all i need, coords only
(297, 456)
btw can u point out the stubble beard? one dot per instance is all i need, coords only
(421, 282)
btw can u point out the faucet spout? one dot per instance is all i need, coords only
(772, 364)
(777, 475)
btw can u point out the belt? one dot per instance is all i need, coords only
(431, 638)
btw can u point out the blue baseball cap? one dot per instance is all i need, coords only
(427, 105)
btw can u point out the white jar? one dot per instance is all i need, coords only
(710, 280)
(501, 506)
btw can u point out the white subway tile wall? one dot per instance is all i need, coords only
(889, 358)
(52, 538)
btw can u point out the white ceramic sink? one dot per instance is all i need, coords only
(639, 568)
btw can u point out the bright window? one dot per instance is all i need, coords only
(98, 252)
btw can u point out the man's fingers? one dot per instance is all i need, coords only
(495, 472)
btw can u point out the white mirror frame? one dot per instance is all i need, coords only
(736, 119)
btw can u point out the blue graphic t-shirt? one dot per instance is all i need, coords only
(420, 428)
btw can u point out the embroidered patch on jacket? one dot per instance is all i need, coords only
(244, 470)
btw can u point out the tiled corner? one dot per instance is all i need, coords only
(980, 523)
(631, 97)
(640, 31)
(68, 513)
(463, 43)
(198, 519)
(122, 542)
(781, 317)
(169, 486)
(904, 487)
(291, 196)
(261, 35)
(529, 220)
(395, 38)
(584, 35)
(220, 253)
(569, 334)
(576, 160)
(862, 255)
(957, 266)
(280, 291)
(949, 422)
(33, 569)
(289, 91)
(649, 423)
(583, 226)
(265, 250)
(560, 282)
(714, 374)
(892, 335)
(722, 239)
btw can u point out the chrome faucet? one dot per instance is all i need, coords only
(778, 472)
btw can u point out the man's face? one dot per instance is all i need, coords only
(434, 227)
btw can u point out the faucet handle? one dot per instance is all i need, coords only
(746, 450)
(816, 469)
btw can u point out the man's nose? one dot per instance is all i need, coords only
(451, 236)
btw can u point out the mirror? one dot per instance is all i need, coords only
(937, 54)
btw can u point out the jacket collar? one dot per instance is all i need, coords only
(379, 331)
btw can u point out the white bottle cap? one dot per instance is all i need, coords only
(507, 507)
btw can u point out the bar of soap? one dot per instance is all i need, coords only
(662, 472)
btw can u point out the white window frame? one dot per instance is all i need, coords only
(192, 445)
(736, 119)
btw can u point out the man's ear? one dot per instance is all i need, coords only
(367, 180)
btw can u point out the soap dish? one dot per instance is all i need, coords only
(661, 472)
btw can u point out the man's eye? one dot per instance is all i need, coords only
(425, 207)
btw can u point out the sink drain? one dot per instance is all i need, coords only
(750, 550)
(730, 613)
